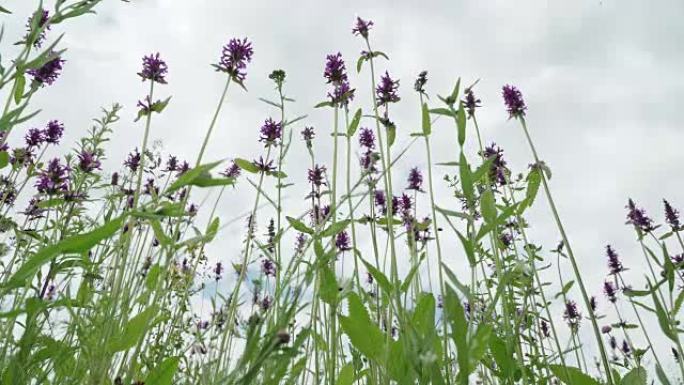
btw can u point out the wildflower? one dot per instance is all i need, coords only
(34, 137)
(132, 162)
(386, 91)
(610, 291)
(672, 217)
(612, 342)
(271, 132)
(8, 191)
(53, 132)
(362, 27)
(342, 94)
(171, 164)
(308, 135)
(368, 160)
(678, 260)
(49, 72)
(470, 103)
(545, 329)
(498, 172)
(300, 242)
(218, 271)
(154, 69)
(614, 263)
(606, 329)
(316, 176)
(264, 165)
(335, 70)
(626, 349)
(44, 17)
(88, 162)
(283, 337)
(506, 239)
(637, 217)
(234, 58)
(342, 241)
(571, 315)
(54, 179)
(232, 171)
(266, 303)
(192, 210)
(183, 168)
(268, 268)
(514, 101)
(381, 201)
(415, 180)
(278, 76)
(33, 210)
(271, 236)
(419, 85)
(367, 138)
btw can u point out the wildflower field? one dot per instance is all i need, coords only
(350, 270)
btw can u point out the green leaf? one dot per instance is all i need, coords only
(427, 124)
(134, 330)
(19, 88)
(335, 228)
(380, 278)
(455, 315)
(362, 332)
(324, 104)
(636, 376)
(488, 206)
(299, 226)
(4, 159)
(461, 123)
(663, 319)
(351, 130)
(328, 285)
(477, 346)
(466, 179)
(163, 374)
(198, 173)
(661, 375)
(246, 165)
(391, 134)
(533, 182)
(503, 356)
(346, 376)
(442, 111)
(572, 376)
(4, 10)
(77, 244)
(457, 88)
(359, 64)
(468, 247)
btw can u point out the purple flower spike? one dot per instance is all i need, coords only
(316, 176)
(614, 263)
(133, 161)
(232, 171)
(234, 58)
(514, 101)
(362, 27)
(415, 180)
(498, 171)
(154, 69)
(271, 132)
(610, 291)
(471, 102)
(88, 162)
(263, 165)
(672, 217)
(308, 134)
(49, 72)
(44, 17)
(342, 241)
(335, 69)
(53, 132)
(268, 268)
(386, 91)
(34, 137)
(637, 217)
(381, 201)
(571, 315)
(54, 179)
(367, 138)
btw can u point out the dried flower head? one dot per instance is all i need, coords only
(35, 22)
(610, 291)
(419, 85)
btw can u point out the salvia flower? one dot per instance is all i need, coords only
(49, 72)
(335, 70)
(171, 164)
(232, 171)
(514, 101)
(367, 138)
(271, 132)
(415, 180)
(34, 137)
(386, 91)
(54, 179)
(637, 217)
(672, 217)
(342, 94)
(300, 242)
(381, 201)
(53, 132)
(470, 102)
(268, 268)
(342, 241)
(571, 314)
(234, 58)
(678, 260)
(498, 171)
(316, 176)
(614, 263)
(308, 135)
(610, 291)
(593, 304)
(132, 162)
(545, 329)
(419, 85)
(264, 165)
(88, 162)
(362, 27)
(154, 69)
(368, 161)
(606, 329)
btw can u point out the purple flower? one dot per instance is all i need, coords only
(514, 101)
(381, 201)
(612, 342)
(415, 180)
(263, 165)
(386, 91)
(342, 241)
(606, 329)
(53, 132)
(266, 303)
(34, 137)
(218, 271)
(234, 58)
(335, 70)
(88, 162)
(678, 260)
(133, 160)
(300, 242)
(571, 315)
(672, 217)
(171, 164)
(308, 135)
(49, 72)
(470, 103)
(232, 171)
(342, 94)
(271, 132)
(268, 268)
(419, 85)
(44, 17)
(54, 179)
(316, 176)
(498, 170)
(545, 329)
(610, 291)
(115, 179)
(637, 217)
(33, 210)
(368, 160)
(614, 263)
(154, 69)
(625, 348)
(362, 27)
(367, 138)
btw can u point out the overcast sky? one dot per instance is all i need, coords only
(602, 80)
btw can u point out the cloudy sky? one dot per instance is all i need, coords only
(602, 80)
